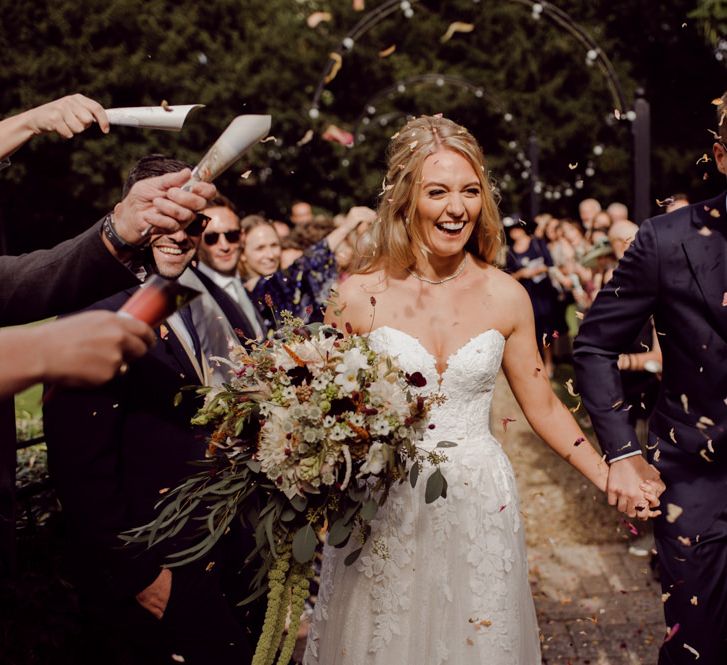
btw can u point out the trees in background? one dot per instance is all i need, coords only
(512, 77)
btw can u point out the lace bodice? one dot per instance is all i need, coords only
(467, 381)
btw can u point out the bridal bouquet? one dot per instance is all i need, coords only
(307, 439)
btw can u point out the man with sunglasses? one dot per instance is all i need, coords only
(219, 254)
(676, 271)
(114, 450)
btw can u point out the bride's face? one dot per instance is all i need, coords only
(449, 202)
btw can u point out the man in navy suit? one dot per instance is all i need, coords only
(675, 271)
(114, 450)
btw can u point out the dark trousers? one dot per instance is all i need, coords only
(200, 626)
(695, 577)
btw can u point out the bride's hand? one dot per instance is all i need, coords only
(652, 490)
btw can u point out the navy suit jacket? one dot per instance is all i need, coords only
(113, 449)
(675, 270)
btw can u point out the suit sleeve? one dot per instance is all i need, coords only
(67, 277)
(618, 314)
(84, 430)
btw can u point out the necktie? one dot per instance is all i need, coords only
(186, 315)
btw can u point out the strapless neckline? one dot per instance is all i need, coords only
(448, 361)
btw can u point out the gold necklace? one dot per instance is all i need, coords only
(456, 273)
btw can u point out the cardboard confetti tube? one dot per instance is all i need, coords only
(167, 118)
(158, 299)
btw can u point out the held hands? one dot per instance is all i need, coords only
(160, 203)
(90, 348)
(156, 596)
(634, 486)
(66, 116)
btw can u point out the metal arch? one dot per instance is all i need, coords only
(427, 78)
(548, 10)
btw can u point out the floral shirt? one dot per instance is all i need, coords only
(302, 288)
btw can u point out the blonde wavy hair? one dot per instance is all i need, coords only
(397, 231)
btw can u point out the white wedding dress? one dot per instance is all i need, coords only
(445, 582)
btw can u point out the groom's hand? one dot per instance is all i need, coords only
(625, 478)
(156, 596)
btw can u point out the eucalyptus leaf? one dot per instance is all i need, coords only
(254, 465)
(178, 399)
(446, 444)
(414, 474)
(369, 510)
(444, 488)
(304, 544)
(288, 515)
(300, 503)
(351, 558)
(339, 533)
(435, 485)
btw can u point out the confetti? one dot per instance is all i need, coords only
(704, 159)
(691, 650)
(685, 540)
(694, 600)
(673, 512)
(573, 166)
(316, 18)
(617, 114)
(335, 134)
(163, 331)
(632, 529)
(724, 304)
(579, 441)
(177, 658)
(569, 387)
(665, 597)
(307, 138)
(454, 28)
(372, 300)
(165, 106)
(506, 422)
(580, 315)
(335, 67)
(246, 175)
(385, 53)
(705, 422)
(413, 145)
(672, 435)
(704, 456)
(267, 139)
(685, 402)
(163, 490)
(714, 213)
(210, 566)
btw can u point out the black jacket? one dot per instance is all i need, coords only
(675, 270)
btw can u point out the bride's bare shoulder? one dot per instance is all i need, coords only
(502, 286)
(352, 299)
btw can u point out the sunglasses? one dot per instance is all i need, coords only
(197, 225)
(213, 237)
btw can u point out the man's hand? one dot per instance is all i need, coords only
(67, 116)
(89, 348)
(627, 479)
(156, 596)
(161, 204)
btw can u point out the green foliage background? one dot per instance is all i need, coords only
(259, 56)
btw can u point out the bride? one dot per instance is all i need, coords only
(446, 582)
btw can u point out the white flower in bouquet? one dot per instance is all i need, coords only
(375, 460)
(390, 395)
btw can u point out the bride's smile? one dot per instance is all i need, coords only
(449, 204)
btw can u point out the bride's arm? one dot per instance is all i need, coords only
(529, 382)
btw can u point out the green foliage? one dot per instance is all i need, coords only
(260, 56)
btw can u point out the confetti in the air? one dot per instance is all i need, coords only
(335, 134)
(691, 650)
(673, 512)
(246, 175)
(165, 106)
(454, 28)
(670, 632)
(385, 53)
(267, 139)
(316, 18)
(335, 67)
(307, 138)
(506, 422)
(704, 159)
(573, 166)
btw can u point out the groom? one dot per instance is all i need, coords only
(675, 271)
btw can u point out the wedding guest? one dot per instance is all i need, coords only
(587, 210)
(675, 272)
(301, 213)
(65, 116)
(219, 254)
(618, 211)
(303, 287)
(114, 450)
(677, 201)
